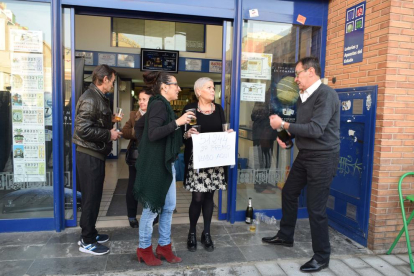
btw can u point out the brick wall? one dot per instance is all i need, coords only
(389, 63)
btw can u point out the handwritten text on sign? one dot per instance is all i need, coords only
(214, 149)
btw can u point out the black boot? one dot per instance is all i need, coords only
(192, 242)
(207, 242)
(133, 223)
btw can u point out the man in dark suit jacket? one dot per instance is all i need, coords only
(317, 137)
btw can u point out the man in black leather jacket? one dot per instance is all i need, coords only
(93, 136)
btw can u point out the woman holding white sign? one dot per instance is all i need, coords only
(204, 182)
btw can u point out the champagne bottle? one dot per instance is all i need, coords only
(249, 212)
(284, 137)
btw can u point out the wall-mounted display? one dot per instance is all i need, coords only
(159, 60)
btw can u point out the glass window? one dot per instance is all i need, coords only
(269, 53)
(138, 33)
(26, 186)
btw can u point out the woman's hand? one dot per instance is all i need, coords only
(230, 130)
(190, 132)
(184, 119)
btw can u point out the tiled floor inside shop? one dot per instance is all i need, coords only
(118, 169)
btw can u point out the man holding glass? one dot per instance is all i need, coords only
(93, 135)
(317, 137)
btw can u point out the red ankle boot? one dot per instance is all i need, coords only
(166, 252)
(147, 256)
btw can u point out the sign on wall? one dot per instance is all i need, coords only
(256, 66)
(354, 33)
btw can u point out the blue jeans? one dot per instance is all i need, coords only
(164, 227)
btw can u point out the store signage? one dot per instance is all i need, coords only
(354, 34)
(108, 59)
(253, 92)
(159, 60)
(126, 61)
(26, 41)
(28, 107)
(193, 64)
(87, 55)
(215, 66)
(214, 149)
(253, 13)
(256, 66)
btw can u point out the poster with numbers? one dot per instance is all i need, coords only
(28, 107)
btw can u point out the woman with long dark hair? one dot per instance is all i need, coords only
(160, 142)
(128, 132)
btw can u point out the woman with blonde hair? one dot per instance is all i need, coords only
(204, 182)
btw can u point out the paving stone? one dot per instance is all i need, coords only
(222, 271)
(339, 267)
(14, 268)
(145, 273)
(61, 250)
(325, 272)
(68, 266)
(218, 256)
(392, 259)
(30, 238)
(271, 252)
(382, 266)
(270, 269)
(406, 269)
(246, 270)
(404, 257)
(220, 241)
(129, 262)
(65, 237)
(368, 272)
(20, 252)
(291, 268)
(355, 263)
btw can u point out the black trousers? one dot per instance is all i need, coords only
(132, 204)
(91, 176)
(314, 169)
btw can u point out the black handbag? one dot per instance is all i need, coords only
(132, 154)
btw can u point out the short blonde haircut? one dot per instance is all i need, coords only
(200, 83)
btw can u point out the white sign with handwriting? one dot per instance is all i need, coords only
(214, 149)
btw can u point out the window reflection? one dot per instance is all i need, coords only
(138, 33)
(26, 161)
(269, 53)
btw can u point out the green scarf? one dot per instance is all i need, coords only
(154, 172)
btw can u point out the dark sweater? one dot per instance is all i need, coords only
(208, 123)
(156, 129)
(317, 121)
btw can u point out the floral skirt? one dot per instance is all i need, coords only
(205, 180)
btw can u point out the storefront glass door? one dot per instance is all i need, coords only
(269, 53)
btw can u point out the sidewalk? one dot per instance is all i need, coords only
(238, 252)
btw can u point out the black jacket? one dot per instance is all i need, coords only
(93, 122)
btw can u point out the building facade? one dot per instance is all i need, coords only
(251, 46)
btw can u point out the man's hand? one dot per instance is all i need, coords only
(115, 134)
(281, 144)
(275, 121)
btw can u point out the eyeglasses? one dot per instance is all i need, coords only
(171, 83)
(297, 73)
